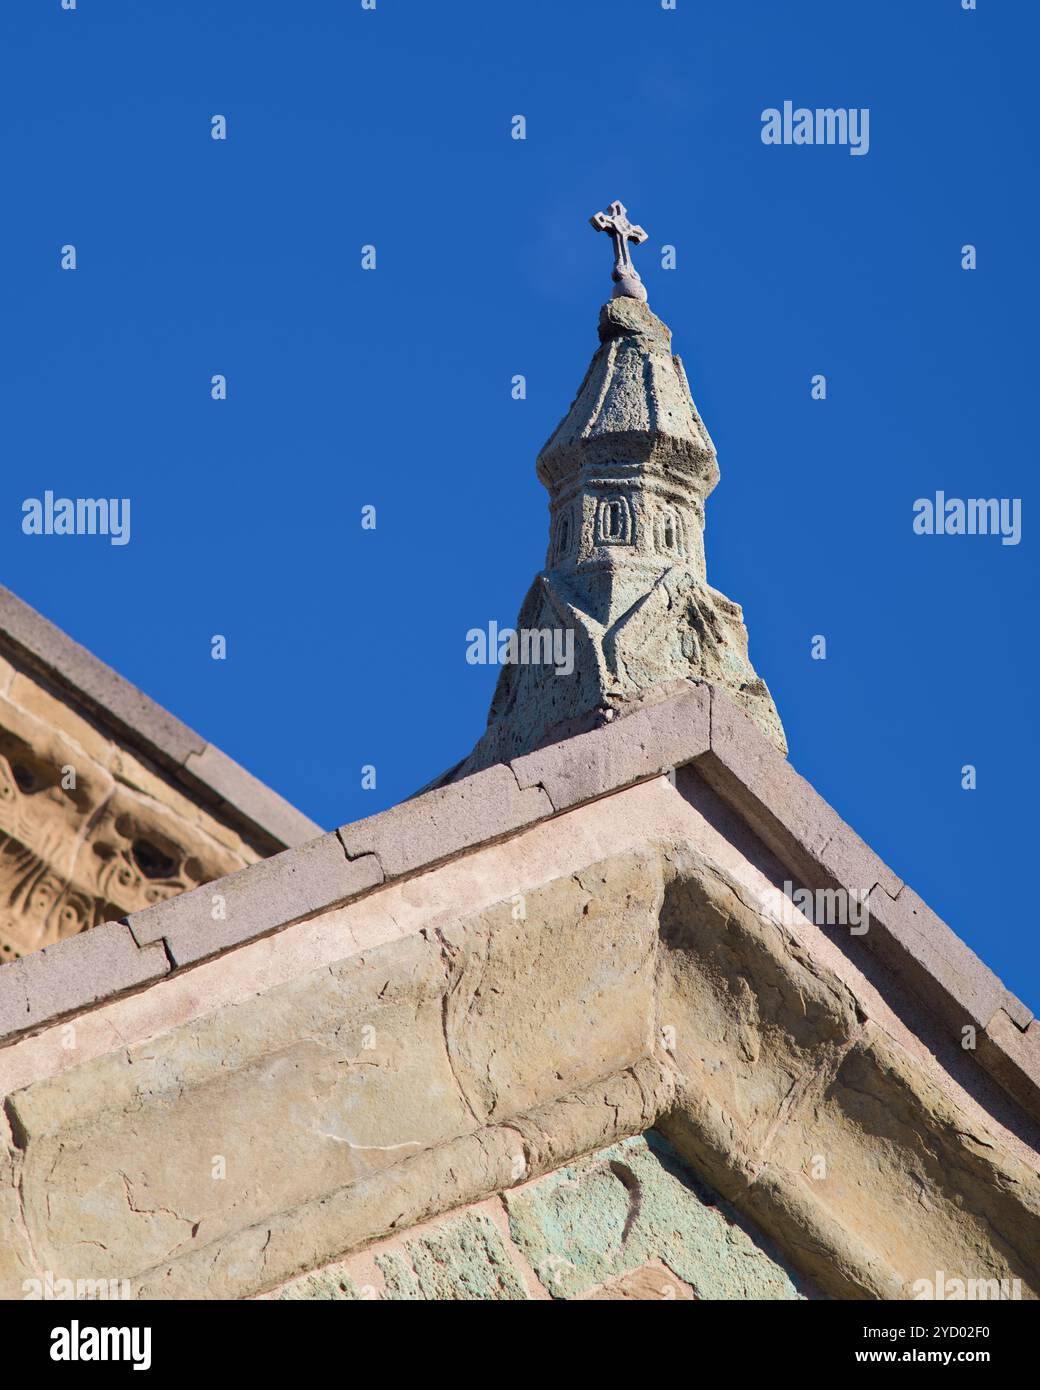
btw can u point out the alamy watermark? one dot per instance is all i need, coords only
(81, 1342)
(943, 1288)
(77, 516)
(54, 1287)
(831, 907)
(821, 125)
(972, 516)
(528, 646)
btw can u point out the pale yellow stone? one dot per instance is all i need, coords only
(78, 847)
(128, 769)
(452, 1036)
(819, 1124)
(31, 697)
(519, 1032)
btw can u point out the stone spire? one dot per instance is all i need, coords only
(624, 586)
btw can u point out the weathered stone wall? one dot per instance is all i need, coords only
(460, 1032)
(628, 1223)
(805, 1101)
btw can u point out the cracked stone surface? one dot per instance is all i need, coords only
(453, 1038)
(629, 1206)
(463, 1260)
(628, 472)
(122, 838)
(629, 1223)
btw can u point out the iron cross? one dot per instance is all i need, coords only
(621, 231)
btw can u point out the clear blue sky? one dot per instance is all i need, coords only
(392, 387)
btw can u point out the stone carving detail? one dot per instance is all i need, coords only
(669, 532)
(614, 521)
(563, 535)
(631, 585)
(627, 281)
(84, 836)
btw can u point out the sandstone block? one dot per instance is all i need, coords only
(250, 798)
(75, 974)
(643, 744)
(1012, 1056)
(30, 696)
(756, 779)
(313, 1085)
(650, 1283)
(16, 1258)
(852, 864)
(746, 1016)
(936, 964)
(519, 1033)
(445, 821)
(256, 900)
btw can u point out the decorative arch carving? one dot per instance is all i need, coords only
(614, 520)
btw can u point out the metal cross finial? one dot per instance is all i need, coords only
(627, 283)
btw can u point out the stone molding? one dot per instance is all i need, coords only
(197, 767)
(698, 726)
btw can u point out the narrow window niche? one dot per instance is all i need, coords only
(614, 521)
(563, 536)
(670, 539)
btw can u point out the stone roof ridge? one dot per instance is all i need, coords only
(201, 769)
(698, 727)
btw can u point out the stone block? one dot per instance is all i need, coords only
(96, 683)
(627, 1206)
(283, 889)
(428, 1183)
(250, 798)
(16, 1256)
(650, 1283)
(635, 746)
(1018, 1012)
(461, 1260)
(74, 974)
(933, 961)
(1012, 1056)
(852, 864)
(519, 1033)
(446, 821)
(756, 779)
(299, 1091)
(56, 714)
(14, 1000)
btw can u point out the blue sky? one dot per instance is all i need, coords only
(392, 387)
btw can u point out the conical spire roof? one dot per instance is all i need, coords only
(634, 404)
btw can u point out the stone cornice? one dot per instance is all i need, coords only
(695, 726)
(198, 768)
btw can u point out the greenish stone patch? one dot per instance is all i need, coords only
(462, 1260)
(323, 1285)
(628, 1204)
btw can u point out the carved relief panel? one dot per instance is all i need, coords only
(81, 845)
